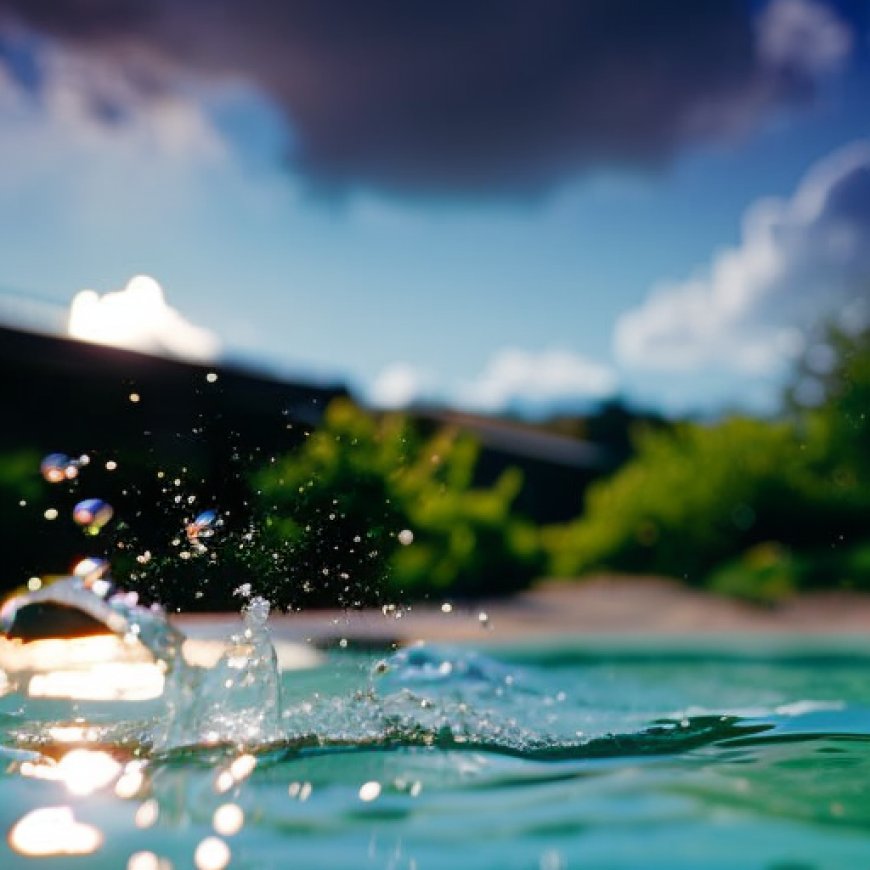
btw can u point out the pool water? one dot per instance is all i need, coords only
(573, 754)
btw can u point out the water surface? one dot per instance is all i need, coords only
(566, 755)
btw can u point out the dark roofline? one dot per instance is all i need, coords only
(524, 440)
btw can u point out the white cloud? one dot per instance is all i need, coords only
(513, 379)
(139, 318)
(397, 386)
(799, 260)
(803, 35)
(549, 378)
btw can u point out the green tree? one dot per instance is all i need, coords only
(341, 510)
(751, 506)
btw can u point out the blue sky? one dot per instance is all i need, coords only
(417, 272)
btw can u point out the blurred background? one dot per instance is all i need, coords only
(429, 301)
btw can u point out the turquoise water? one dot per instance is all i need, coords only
(569, 755)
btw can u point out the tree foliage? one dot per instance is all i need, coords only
(343, 507)
(754, 507)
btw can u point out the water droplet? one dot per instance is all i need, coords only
(447, 607)
(90, 569)
(34, 583)
(211, 377)
(54, 467)
(202, 527)
(93, 513)
(134, 398)
(406, 537)
(111, 465)
(50, 514)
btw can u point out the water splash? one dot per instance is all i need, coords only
(37, 613)
(238, 700)
(442, 665)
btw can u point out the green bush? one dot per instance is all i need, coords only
(333, 511)
(765, 574)
(697, 496)
(752, 507)
(769, 572)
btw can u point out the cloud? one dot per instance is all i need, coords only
(139, 318)
(512, 380)
(457, 96)
(803, 35)
(399, 385)
(538, 381)
(799, 260)
(93, 100)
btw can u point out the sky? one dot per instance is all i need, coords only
(517, 207)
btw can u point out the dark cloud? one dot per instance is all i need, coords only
(461, 95)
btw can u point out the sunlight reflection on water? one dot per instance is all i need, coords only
(51, 831)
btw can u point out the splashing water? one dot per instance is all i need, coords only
(546, 757)
(89, 604)
(237, 701)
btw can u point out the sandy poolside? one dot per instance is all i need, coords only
(621, 608)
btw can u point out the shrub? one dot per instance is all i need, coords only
(334, 510)
(697, 496)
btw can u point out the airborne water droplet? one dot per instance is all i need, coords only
(54, 466)
(91, 569)
(93, 513)
(202, 528)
